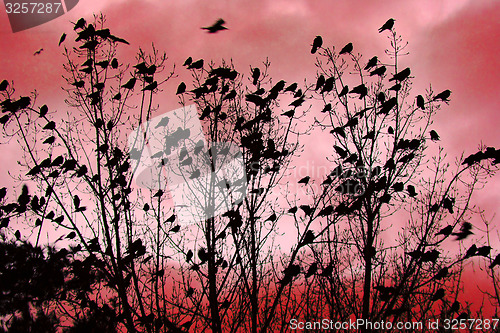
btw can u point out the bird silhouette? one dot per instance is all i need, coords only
(317, 43)
(38, 52)
(217, 26)
(464, 232)
(3, 85)
(344, 91)
(293, 210)
(181, 88)
(327, 108)
(402, 75)
(388, 105)
(361, 90)
(346, 49)
(483, 251)
(395, 87)
(289, 114)
(150, 87)
(387, 25)
(196, 65)
(320, 81)
(439, 294)
(411, 191)
(371, 63)
(443, 96)
(50, 140)
(446, 231)
(434, 135)
(291, 87)
(51, 125)
(62, 39)
(304, 180)
(80, 24)
(471, 251)
(130, 83)
(441, 274)
(255, 76)
(420, 102)
(378, 71)
(328, 85)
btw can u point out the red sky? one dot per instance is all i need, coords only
(453, 44)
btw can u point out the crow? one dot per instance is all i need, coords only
(387, 25)
(289, 114)
(3, 85)
(272, 218)
(38, 52)
(319, 82)
(441, 274)
(217, 26)
(388, 105)
(446, 231)
(346, 49)
(304, 180)
(291, 87)
(361, 90)
(150, 87)
(130, 83)
(443, 96)
(439, 294)
(317, 43)
(328, 85)
(420, 102)
(402, 75)
(378, 71)
(80, 24)
(371, 63)
(51, 125)
(395, 87)
(181, 88)
(465, 231)
(61, 40)
(411, 190)
(483, 251)
(471, 251)
(293, 210)
(255, 76)
(344, 91)
(196, 65)
(434, 135)
(50, 140)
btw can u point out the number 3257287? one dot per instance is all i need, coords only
(32, 8)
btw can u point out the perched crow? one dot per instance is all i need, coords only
(3, 85)
(217, 26)
(317, 43)
(130, 83)
(361, 90)
(304, 180)
(319, 82)
(379, 71)
(61, 40)
(434, 135)
(443, 96)
(181, 88)
(150, 87)
(441, 274)
(344, 91)
(471, 251)
(387, 25)
(395, 87)
(438, 295)
(312, 270)
(80, 24)
(483, 251)
(346, 49)
(420, 102)
(371, 63)
(402, 75)
(255, 76)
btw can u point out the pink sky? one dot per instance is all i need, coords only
(453, 44)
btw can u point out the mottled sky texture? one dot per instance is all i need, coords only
(453, 44)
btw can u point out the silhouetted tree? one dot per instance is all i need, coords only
(168, 222)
